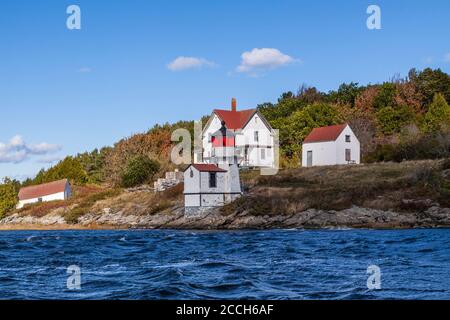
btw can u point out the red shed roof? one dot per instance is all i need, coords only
(203, 167)
(42, 190)
(235, 120)
(330, 133)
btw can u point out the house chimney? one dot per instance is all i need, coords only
(233, 104)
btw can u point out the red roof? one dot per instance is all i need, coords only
(330, 133)
(42, 190)
(203, 167)
(235, 120)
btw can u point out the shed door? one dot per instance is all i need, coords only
(309, 159)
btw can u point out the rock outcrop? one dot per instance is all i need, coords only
(355, 217)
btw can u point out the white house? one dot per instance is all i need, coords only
(331, 145)
(56, 190)
(254, 143)
(217, 183)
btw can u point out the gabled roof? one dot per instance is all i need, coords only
(42, 190)
(330, 133)
(235, 120)
(204, 167)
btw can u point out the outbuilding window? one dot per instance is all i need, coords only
(212, 180)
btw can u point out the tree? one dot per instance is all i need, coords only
(347, 93)
(139, 170)
(385, 97)
(8, 195)
(437, 118)
(295, 128)
(392, 120)
(69, 168)
(429, 82)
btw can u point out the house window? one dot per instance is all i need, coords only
(348, 155)
(347, 138)
(256, 119)
(263, 154)
(39, 199)
(256, 136)
(212, 180)
(191, 173)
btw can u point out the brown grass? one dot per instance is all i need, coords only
(379, 186)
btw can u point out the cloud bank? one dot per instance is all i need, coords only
(17, 150)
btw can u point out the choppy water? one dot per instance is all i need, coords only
(276, 264)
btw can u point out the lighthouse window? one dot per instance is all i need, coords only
(212, 180)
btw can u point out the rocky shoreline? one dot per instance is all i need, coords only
(354, 217)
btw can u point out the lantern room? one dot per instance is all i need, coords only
(223, 143)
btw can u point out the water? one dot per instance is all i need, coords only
(276, 264)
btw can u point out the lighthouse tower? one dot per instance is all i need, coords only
(223, 155)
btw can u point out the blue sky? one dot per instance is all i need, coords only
(67, 91)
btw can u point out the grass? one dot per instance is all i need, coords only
(86, 203)
(379, 186)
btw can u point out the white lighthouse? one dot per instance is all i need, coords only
(216, 183)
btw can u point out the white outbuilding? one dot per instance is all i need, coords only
(52, 191)
(217, 183)
(331, 145)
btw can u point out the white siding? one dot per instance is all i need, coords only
(332, 152)
(323, 153)
(51, 197)
(353, 145)
(197, 191)
(214, 125)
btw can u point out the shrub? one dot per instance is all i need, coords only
(438, 116)
(138, 171)
(8, 196)
(392, 120)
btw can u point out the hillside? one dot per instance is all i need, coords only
(397, 120)
(387, 195)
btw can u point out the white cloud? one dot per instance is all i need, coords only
(183, 63)
(261, 59)
(17, 150)
(84, 70)
(447, 57)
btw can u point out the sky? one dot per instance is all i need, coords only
(137, 63)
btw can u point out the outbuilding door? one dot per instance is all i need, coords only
(309, 159)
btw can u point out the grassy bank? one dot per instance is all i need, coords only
(407, 186)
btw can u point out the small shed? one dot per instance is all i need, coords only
(52, 191)
(331, 145)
